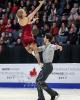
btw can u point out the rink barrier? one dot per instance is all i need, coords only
(64, 75)
(33, 85)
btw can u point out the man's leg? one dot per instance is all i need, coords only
(39, 88)
(44, 73)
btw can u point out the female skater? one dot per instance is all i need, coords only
(27, 36)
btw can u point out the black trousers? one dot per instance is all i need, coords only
(40, 81)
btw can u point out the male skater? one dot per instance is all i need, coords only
(47, 53)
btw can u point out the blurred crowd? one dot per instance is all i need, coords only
(61, 18)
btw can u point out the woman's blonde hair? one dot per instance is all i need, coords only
(19, 13)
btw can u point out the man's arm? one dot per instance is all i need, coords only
(41, 48)
(59, 47)
(56, 47)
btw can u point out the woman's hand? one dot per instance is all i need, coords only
(34, 20)
(41, 2)
(31, 16)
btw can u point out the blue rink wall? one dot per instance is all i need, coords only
(32, 85)
(64, 75)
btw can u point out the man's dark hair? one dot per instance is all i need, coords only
(49, 37)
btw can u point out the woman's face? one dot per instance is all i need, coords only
(21, 13)
(24, 13)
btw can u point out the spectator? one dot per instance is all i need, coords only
(67, 9)
(15, 26)
(74, 11)
(8, 26)
(14, 9)
(2, 26)
(54, 29)
(35, 30)
(63, 29)
(72, 35)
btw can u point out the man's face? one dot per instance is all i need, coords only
(45, 40)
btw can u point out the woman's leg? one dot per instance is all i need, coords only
(28, 49)
(36, 53)
(32, 49)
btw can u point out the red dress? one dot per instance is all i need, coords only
(27, 36)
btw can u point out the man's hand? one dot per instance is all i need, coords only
(59, 47)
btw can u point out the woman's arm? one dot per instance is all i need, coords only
(31, 16)
(33, 21)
